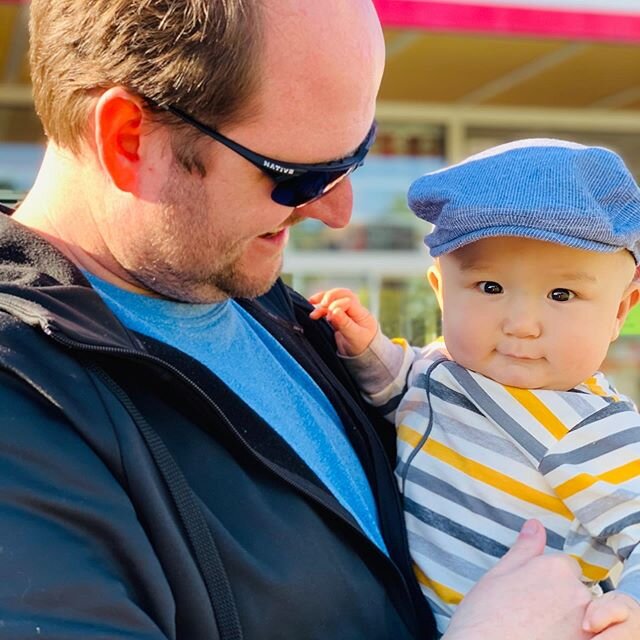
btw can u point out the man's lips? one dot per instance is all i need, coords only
(279, 236)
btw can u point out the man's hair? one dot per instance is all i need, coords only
(200, 55)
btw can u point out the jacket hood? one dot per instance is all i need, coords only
(42, 288)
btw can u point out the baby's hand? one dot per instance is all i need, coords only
(354, 325)
(613, 616)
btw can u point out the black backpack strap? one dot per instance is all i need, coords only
(193, 520)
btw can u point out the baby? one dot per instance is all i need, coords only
(536, 245)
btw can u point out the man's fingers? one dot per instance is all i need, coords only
(601, 615)
(610, 609)
(617, 632)
(529, 544)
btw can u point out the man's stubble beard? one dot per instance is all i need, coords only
(172, 261)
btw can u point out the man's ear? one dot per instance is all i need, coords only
(435, 280)
(118, 125)
(630, 299)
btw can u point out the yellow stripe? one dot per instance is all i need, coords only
(485, 474)
(402, 342)
(444, 593)
(405, 345)
(623, 473)
(408, 435)
(539, 411)
(591, 571)
(584, 481)
(575, 485)
(595, 388)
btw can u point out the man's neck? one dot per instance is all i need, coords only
(59, 210)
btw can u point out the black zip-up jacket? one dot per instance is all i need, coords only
(141, 499)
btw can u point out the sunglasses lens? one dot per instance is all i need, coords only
(309, 186)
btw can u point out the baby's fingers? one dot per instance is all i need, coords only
(319, 312)
(337, 314)
(325, 298)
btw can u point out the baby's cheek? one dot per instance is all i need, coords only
(465, 347)
(573, 363)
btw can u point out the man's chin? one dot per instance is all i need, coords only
(247, 285)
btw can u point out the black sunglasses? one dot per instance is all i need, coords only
(296, 184)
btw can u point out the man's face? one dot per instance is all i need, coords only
(206, 238)
(532, 314)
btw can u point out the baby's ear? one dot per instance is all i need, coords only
(630, 299)
(434, 276)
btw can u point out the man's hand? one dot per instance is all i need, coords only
(354, 325)
(526, 596)
(614, 616)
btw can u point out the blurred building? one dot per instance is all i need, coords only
(461, 75)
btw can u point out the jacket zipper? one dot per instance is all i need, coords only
(298, 330)
(139, 355)
(80, 346)
(397, 504)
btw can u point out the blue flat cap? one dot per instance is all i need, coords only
(545, 189)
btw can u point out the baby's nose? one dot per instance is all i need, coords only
(521, 322)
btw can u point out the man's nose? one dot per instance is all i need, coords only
(521, 321)
(334, 208)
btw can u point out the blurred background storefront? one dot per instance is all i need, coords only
(461, 75)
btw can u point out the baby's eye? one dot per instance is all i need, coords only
(561, 295)
(492, 288)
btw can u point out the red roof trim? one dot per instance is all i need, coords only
(551, 23)
(455, 17)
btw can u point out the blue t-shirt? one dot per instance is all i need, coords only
(227, 340)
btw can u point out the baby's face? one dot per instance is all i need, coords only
(532, 314)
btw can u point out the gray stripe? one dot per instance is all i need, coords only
(392, 404)
(605, 412)
(456, 564)
(488, 441)
(495, 412)
(454, 529)
(447, 394)
(476, 505)
(596, 508)
(576, 537)
(577, 400)
(625, 552)
(421, 407)
(437, 608)
(620, 525)
(592, 450)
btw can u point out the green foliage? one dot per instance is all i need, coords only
(409, 309)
